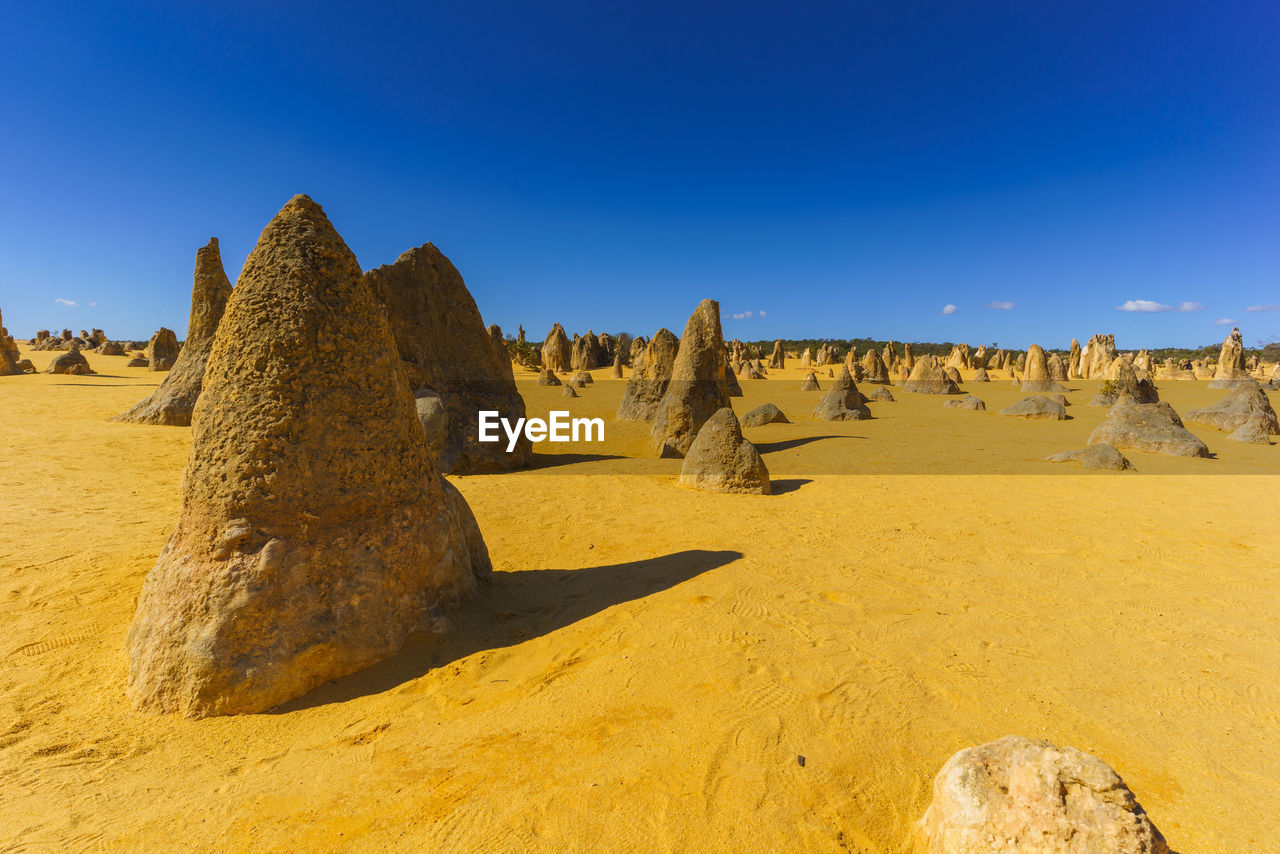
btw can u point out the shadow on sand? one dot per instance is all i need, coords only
(781, 486)
(788, 444)
(546, 461)
(513, 608)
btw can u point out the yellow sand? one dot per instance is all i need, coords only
(650, 661)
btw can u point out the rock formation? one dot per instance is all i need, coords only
(1073, 361)
(1120, 379)
(444, 346)
(778, 360)
(548, 377)
(1035, 374)
(162, 350)
(966, 402)
(1097, 356)
(697, 389)
(722, 460)
(1242, 405)
(71, 362)
(9, 353)
(1231, 367)
(881, 393)
(874, 370)
(810, 382)
(1037, 407)
(1151, 427)
(556, 351)
(928, 378)
(1022, 795)
(569, 390)
(981, 376)
(765, 413)
(650, 376)
(843, 402)
(315, 532)
(171, 404)
(1101, 456)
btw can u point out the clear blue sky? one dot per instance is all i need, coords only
(845, 169)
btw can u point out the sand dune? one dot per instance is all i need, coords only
(651, 662)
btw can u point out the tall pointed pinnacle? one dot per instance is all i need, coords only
(315, 533)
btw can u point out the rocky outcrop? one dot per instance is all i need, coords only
(722, 460)
(843, 402)
(1037, 407)
(1151, 427)
(1121, 379)
(175, 399)
(1242, 405)
(71, 362)
(697, 389)
(556, 350)
(927, 377)
(810, 382)
(9, 353)
(1073, 361)
(1231, 365)
(778, 360)
(444, 345)
(650, 376)
(1022, 795)
(1097, 356)
(315, 532)
(966, 402)
(1101, 456)
(162, 350)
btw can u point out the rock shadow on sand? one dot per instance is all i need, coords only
(516, 607)
(788, 444)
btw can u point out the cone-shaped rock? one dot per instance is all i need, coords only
(1097, 356)
(315, 533)
(650, 376)
(779, 359)
(722, 460)
(1120, 379)
(1036, 376)
(843, 402)
(162, 350)
(927, 377)
(556, 350)
(697, 389)
(444, 346)
(174, 400)
(1073, 361)
(874, 369)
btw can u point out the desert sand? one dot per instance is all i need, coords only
(651, 663)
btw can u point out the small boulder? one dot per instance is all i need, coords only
(1038, 407)
(1101, 456)
(966, 402)
(765, 413)
(1019, 794)
(720, 459)
(569, 390)
(843, 402)
(138, 362)
(1252, 432)
(881, 393)
(548, 377)
(927, 377)
(67, 361)
(981, 376)
(162, 349)
(810, 383)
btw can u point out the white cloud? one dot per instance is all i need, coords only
(1005, 306)
(93, 305)
(949, 309)
(743, 315)
(70, 303)
(1263, 308)
(1147, 306)
(762, 314)
(1224, 321)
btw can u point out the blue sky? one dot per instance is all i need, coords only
(844, 170)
